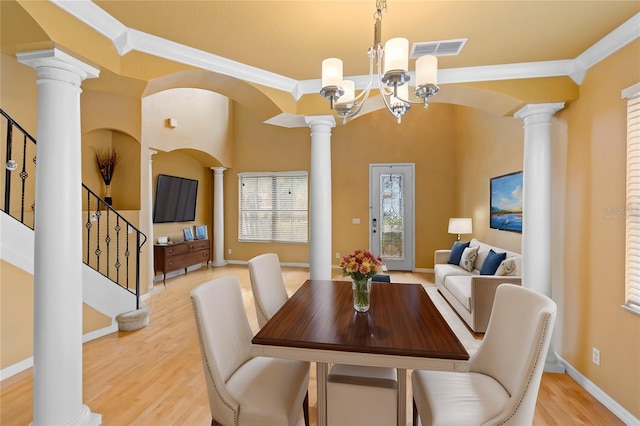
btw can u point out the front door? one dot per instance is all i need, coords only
(391, 222)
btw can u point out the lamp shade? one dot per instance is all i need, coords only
(396, 54)
(426, 70)
(331, 72)
(460, 225)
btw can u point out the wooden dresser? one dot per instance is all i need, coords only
(170, 257)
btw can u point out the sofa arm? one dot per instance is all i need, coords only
(441, 256)
(483, 291)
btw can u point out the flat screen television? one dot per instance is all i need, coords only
(175, 199)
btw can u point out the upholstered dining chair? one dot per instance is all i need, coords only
(243, 390)
(501, 386)
(356, 395)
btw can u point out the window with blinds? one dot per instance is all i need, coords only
(632, 276)
(273, 207)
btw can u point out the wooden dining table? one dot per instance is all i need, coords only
(403, 329)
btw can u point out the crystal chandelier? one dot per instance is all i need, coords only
(393, 76)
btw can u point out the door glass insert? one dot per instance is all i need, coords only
(392, 241)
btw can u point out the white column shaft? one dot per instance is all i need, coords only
(320, 198)
(536, 197)
(57, 387)
(536, 205)
(147, 169)
(218, 216)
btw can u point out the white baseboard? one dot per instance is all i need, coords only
(25, 364)
(16, 368)
(424, 270)
(617, 409)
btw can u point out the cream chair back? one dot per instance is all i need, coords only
(267, 284)
(514, 348)
(225, 340)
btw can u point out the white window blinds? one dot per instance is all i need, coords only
(273, 207)
(632, 278)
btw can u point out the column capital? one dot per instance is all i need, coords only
(535, 109)
(57, 59)
(150, 153)
(319, 120)
(218, 170)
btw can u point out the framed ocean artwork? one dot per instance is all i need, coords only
(506, 202)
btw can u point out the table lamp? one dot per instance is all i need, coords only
(460, 225)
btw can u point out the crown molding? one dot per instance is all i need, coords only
(127, 39)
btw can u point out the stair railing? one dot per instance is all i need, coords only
(111, 243)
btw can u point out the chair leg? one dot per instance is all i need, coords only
(415, 413)
(305, 409)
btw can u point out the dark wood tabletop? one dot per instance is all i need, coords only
(402, 321)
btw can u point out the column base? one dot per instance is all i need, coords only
(219, 263)
(85, 418)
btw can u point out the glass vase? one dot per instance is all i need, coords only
(107, 194)
(361, 294)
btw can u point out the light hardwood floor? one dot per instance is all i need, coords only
(154, 376)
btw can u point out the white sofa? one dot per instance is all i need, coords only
(468, 292)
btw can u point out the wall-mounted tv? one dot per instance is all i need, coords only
(175, 199)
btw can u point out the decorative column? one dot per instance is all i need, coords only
(147, 168)
(218, 216)
(320, 226)
(536, 204)
(320, 197)
(57, 346)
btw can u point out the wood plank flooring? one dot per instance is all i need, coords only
(154, 376)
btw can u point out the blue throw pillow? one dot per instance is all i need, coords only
(456, 252)
(491, 263)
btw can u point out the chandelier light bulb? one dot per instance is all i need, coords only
(331, 72)
(349, 88)
(396, 55)
(426, 70)
(402, 95)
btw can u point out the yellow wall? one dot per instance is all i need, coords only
(202, 118)
(456, 151)
(424, 138)
(487, 146)
(594, 238)
(16, 315)
(182, 165)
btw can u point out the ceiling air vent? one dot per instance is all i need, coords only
(437, 48)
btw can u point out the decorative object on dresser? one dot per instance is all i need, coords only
(188, 235)
(200, 232)
(171, 257)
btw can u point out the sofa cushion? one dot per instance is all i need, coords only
(443, 270)
(456, 252)
(491, 263)
(460, 287)
(468, 258)
(507, 267)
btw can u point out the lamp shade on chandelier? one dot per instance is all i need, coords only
(393, 76)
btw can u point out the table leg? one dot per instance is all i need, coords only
(402, 396)
(321, 379)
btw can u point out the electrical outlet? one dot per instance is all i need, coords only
(337, 255)
(596, 356)
(228, 251)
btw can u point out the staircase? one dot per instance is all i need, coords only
(111, 244)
